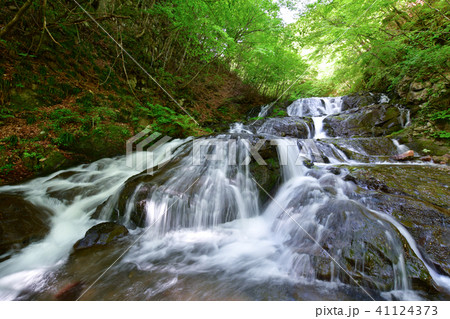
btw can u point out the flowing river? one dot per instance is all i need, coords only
(207, 223)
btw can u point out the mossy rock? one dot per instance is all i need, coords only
(104, 141)
(101, 235)
(425, 183)
(21, 223)
(365, 149)
(288, 126)
(360, 99)
(25, 99)
(425, 222)
(268, 176)
(370, 121)
(54, 161)
(366, 248)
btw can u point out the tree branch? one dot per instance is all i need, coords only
(10, 26)
(79, 21)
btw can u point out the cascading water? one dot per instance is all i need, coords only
(318, 109)
(264, 110)
(201, 230)
(220, 191)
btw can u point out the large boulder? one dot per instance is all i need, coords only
(360, 99)
(425, 222)
(365, 149)
(418, 198)
(101, 235)
(425, 183)
(360, 244)
(288, 126)
(21, 223)
(367, 249)
(267, 176)
(370, 121)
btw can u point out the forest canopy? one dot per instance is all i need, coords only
(337, 46)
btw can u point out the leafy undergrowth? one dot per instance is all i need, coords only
(66, 107)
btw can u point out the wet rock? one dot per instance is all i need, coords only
(364, 149)
(409, 155)
(370, 121)
(426, 158)
(268, 176)
(70, 292)
(307, 163)
(358, 100)
(358, 241)
(427, 223)
(375, 184)
(21, 223)
(334, 170)
(444, 160)
(288, 126)
(426, 183)
(101, 235)
(64, 175)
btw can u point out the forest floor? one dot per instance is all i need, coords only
(55, 110)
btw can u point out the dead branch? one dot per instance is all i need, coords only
(11, 24)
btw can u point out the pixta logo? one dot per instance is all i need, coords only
(149, 151)
(141, 157)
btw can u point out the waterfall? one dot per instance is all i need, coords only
(264, 110)
(218, 226)
(316, 108)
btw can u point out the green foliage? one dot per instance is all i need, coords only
(32, 155)
(27, 55)
(310, 88)
(5, 113)
(7, 168)
(245, 34)
(64, 116)
(278, 112)
(65, 139)
(374, 45)
(441, 134)
(31, 118)
(440, 115)
(166, 120)
(11, 140)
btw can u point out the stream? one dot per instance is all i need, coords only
(324, 217)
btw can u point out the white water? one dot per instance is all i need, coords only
(264, 110)
(238, 128)
(405, 117)
(318, 109)
(400, 147)
(384, 99)
(206, 220)
(71, 219)
(318, 127)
